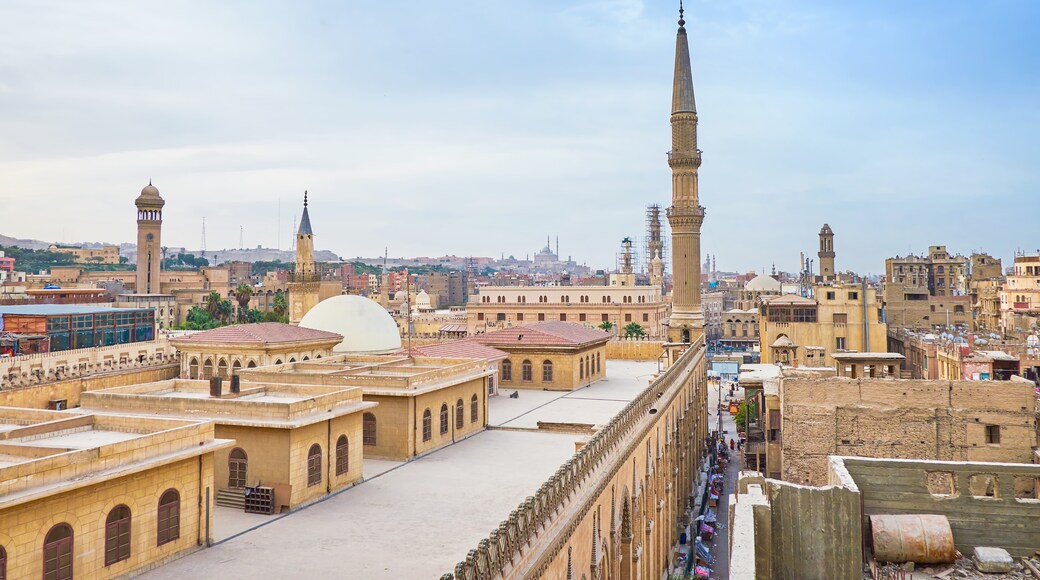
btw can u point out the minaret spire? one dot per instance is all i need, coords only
(686, 323)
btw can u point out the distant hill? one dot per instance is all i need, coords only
(27, 244)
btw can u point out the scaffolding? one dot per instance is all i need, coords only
(655, 241)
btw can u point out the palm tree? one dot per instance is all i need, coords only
(213, 305)
(633, 330)
(281, 305)
(243, 294)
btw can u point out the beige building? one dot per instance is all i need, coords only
(149, 241)
(18, 372)
(755, 290)
(165, 305)
(101, 496)
(102, 255)
(761, 384)
(222, 352)
(303, 441)
(423, 403)
(797, 331)
(905, 419)
(1020, 298)
(497, 307)
(555, 356)
(740, 328)
(712, 304)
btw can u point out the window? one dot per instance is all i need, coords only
(238, 463)
(603, 318)
(525, 370)
(992, 434)
(169, 517)
(628, 318)
(480, 316)
(444, 418)
(744, 328)
(474, 410)
(563, 317)
(581, 317)
(588, 366)
(547, 371)
(117, 535)
(839, 343)
(519, 316)
(853, 295)
(314, 465)
(646, 317)
(830, 295)
(368, 429)
(597, 363)
(541, 317)
(342, 455)
(842, 318)
(427, 425)
(57, 553)
(507, 370)
(581, 368)
(501, 316)
(460, 414)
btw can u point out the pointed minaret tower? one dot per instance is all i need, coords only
(686, 214)
(149, 245)
(304, 279)
(826, 253)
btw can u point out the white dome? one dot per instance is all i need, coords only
(365, 325)
(763, 283)
(400, 296)
(422, 300)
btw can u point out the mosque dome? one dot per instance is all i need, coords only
(365, 325)
(422, 301)
(150, 198)
(401, 296)
(150, 190)
(763, 283)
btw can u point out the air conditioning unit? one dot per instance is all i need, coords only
(58, 404)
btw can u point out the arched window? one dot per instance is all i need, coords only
(235, 367)
(57, 553)
(507, 370)
(460, 414)
(314, 465)
(598, 368)
(581, 368)
(547, 371)
(342, 455)
(368, 429)
(169, 516)
(292, 359)
(222, 369)
(207, 369)
(117, 535)
(444, 418)
(525, 370)
(306, 358)
(238, 463)
(427, 425)
(251, 365)
(588, 367)
(278, 362)
(474, 409)
(193, 373)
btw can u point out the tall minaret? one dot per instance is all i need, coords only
(826, 253)
(686, 214)
(304, 279)
(149, 247)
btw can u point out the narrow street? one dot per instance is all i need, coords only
(720, 544)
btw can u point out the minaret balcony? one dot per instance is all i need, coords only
(304, 277)
(684, 158)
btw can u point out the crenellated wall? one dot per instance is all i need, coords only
(614, 509)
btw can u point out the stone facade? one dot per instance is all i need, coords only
(908, 419)
(42, 368)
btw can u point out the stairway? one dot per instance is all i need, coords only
(232, 498)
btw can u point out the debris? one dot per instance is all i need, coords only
(992, 560)
(1035, 570)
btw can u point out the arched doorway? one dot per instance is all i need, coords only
(238, 464)
(193, 368)
(235, 367)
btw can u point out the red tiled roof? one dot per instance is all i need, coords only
(465, 348)
(543, 333)
(263, 332)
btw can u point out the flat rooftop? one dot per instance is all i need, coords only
(434, 508)
(257, 404)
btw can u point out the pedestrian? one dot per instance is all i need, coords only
(732, 444)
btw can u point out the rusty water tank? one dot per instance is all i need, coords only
(216, 386)
(235, 383)
(919, 538)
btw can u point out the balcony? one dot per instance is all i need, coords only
(303, 277)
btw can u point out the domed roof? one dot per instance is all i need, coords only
(401, 295)
(763, 283)
(422, 299)
(365, 325)
(150, 190)
(150, 197)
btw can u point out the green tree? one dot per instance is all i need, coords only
(606, 326)
(243, 294)
(198, 318)
(742, 418)
(280, 305)
(633, 330)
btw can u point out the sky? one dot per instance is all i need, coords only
(479, 127)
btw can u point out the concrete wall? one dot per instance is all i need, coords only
(1009, 519)
(38, 397)
(634, 349)
(908, 419)
(42, 368)
(824, 541)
